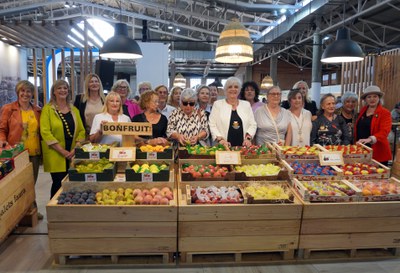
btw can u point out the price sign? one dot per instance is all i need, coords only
(94, 155)
(147, 177)
(330, 158)
(122, 154)
(228, 157)
(91, 177)
(151, 155)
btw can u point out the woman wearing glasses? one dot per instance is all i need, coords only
(187, 124)
(231, 120)
(129, 108)
(273, 121)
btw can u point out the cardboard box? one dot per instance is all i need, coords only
(106, 175)
(131, 175)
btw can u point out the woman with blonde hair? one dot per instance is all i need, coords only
(174, 96)
(91, 102)
(129, 108)
(112, 112)
(61, 129)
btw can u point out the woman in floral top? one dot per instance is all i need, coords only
(187, 124)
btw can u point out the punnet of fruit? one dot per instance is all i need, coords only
(93, 166)
(252, 170)
(153, 148)
(215, 195)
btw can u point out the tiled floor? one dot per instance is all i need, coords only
(27, 250)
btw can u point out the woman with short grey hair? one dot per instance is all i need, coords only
(188, 124)
(348, 111)
(232, 120)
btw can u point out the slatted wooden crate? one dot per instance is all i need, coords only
(234, 231)
(17, 194)
(112, 230)
(353, 227)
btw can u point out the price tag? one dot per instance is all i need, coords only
(228, 157)
(151, 155)
(331, 158)
(122, 154)
(90, 177)
(94, 155)
(147, 177)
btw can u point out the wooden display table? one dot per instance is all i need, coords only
(122, 234)
(358, 228)
(237, 233)
(17, 194)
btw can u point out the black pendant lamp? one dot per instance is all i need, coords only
(343, 50)
(120, 46)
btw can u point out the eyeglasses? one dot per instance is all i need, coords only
(185, 103)
(275, 94)
(122, 87)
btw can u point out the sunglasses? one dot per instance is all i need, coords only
(185, 103)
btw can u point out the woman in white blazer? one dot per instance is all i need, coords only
(231, 120)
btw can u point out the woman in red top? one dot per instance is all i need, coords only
(374, 124)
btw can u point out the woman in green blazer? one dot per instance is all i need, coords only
(61, 128)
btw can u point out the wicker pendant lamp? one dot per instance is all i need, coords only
(266, 83)
(234, 44)
(180, 80)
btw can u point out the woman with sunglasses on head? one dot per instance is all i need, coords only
(129, 108)
(232, 120)
(188, 124)
(273, 121)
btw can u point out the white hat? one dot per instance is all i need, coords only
(372, 89)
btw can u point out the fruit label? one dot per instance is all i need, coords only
(147, 177)
(90, 177)
(331, 158)
(228, 158)
(151, 155)
(94, 155)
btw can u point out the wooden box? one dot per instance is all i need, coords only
(282, 175)
(365, 156)
(370, 176)
(306, 195)
(354, 227)
(305, 177)
(369, 194)
(131, 175)
(106, 175)
(113, 229)
(17, 195)
(247, 228)
(249, 199)
(187, 177)
(301, 154)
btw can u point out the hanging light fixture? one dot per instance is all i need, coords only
(266, 83)
(234, 44)
(180, 81)
(120, 46)
(343, 50)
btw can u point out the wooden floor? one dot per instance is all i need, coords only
(27, 250)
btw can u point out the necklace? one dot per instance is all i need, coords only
(61, 115)
(299, 126)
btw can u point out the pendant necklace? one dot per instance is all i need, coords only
(300, 127)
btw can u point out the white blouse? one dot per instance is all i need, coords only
(301, 128)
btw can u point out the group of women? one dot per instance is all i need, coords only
(195, 117)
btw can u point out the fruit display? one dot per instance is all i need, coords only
(93, 151)
(215, 195)
(327, 191)
(312, 169)
(202, 150)
(379, 190)
(254, 151)
(91, 166)
(364, 171)
(294, 152)
(252, 170)
(348, 149)
(120, 196)
(149, 168)
(95, 147)
(153, 148)
(257, 192)
(203, 171)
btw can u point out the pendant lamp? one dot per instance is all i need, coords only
(343, 49)
(180, 81)
(266, 83)
(120, 46)
(234, 44)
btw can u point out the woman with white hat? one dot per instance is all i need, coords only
(374, 124)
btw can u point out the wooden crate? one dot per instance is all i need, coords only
(349, 226)
(112, 230)
(234, 229)
(304, 177)
(371, 176)
(298, 156)
(17, 195)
